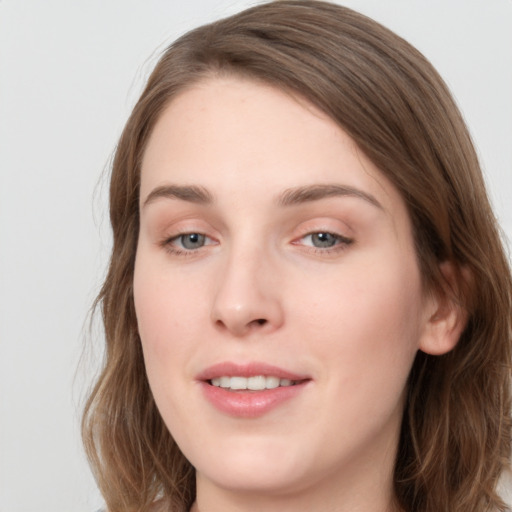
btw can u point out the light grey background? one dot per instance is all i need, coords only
(69, 73)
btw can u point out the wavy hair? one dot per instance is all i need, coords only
(456, 433)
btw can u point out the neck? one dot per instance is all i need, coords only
(258, 504)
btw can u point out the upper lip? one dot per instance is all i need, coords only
(251, 369)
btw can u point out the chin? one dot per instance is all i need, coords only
(260, 468)
(258, 479)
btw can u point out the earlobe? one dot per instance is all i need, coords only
(446, 314)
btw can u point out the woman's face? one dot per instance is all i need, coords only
(272, 253)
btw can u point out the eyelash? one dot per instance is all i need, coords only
(340, 243)
(167, 243)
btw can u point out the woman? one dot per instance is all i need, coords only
(308, 304)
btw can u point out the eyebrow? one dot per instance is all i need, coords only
(290, 197)
(308, 193)
(190, 193)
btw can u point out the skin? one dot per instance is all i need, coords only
(351, 317)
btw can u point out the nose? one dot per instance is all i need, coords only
(248, 296)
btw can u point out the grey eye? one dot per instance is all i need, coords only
(192, 241)
(323, 240)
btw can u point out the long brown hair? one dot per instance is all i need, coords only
(455, 439)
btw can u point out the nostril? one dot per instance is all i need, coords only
(261, 321)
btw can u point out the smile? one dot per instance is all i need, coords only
(256, 383)
(251, 390)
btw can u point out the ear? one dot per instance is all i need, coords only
(445, 315)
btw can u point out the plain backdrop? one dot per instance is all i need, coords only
(70, 71)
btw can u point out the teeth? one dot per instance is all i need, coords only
(256, 383)
(238, 383)
(272, 382)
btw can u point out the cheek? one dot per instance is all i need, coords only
(172, 316)
(159, 310)
(370, 319)
(163, 298)
(163, 322)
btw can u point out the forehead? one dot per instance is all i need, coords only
(236, 136)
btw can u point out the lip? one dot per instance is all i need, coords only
(249, 404)
(247, 370)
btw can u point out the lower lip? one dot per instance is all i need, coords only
(249, 404)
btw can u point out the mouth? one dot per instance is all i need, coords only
(254, 383)
(251, 390)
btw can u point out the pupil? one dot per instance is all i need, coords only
(193, 241)
(323, 239)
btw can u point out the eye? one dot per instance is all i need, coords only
(190, 241)
(324, 241)
(187, 243)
